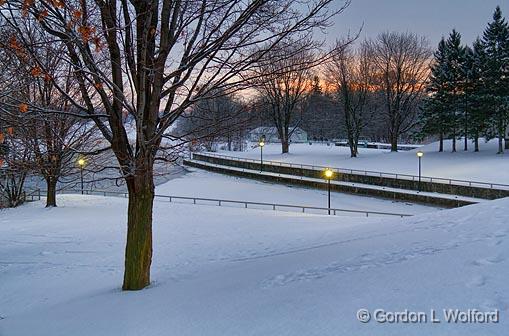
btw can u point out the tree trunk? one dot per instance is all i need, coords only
(441, 143)
(51, 192)
(465, 146)
(476, 143)
(394, 143)
(352, 143)
(285, 146)
(353, 150)
(138, 252)
(501, 136)
(454, 143)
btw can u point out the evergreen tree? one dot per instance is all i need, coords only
(433, 117)
(443, 109)
(467, 88)
(455, 56)
(495, 73)
(475, 93)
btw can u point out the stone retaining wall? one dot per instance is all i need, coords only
(388, 194)
(442, 188)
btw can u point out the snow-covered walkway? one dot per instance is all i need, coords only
(484, 166)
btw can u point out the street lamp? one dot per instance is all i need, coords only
(261, 143)
(81, 164)
(328, 173)
(420, 155)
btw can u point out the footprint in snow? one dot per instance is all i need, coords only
(489, 261)
(477, 281)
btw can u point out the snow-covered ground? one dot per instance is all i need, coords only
(227, 271)
(485, 165)
(204, 184)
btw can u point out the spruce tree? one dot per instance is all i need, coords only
(434, 116)
(467, 75)
(478, 104)
(455, 55)
(495, 73)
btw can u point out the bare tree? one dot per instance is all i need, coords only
(284, 80)
(219, 119)
(15, 165)
(151, 60)
(351, 71)
(401, 62)
(31, 106)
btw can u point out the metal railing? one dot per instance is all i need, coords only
(34, 195)
(243, 204)
(409, 177)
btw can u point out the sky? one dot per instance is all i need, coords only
(430, 18)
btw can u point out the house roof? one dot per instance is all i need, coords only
(272, 130)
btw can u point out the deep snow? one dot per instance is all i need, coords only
(483, 166)
(227, 271)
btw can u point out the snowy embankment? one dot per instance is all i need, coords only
(485, 165)
(225, 271)
(199, 183)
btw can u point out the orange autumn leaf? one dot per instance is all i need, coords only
(2, 2)
(98, 45)
(13, 43)
(76, 14)
(23, 108)
(86, 32)
(36, 71)
(98, 85)
(58, 3)
(47, 77)
(10, 130)
(43, 14)
(18, 49)
(26, 6)
(1, 162)
(1, 137)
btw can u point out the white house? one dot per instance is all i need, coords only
(271, 134)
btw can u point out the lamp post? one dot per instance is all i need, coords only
(261, 143)
(420, 154)
(328, 173)
(81, 164)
